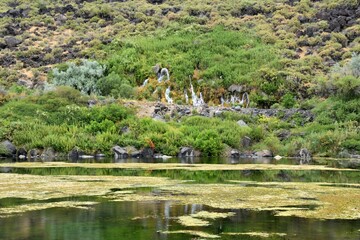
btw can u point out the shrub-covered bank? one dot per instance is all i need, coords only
(61, 119)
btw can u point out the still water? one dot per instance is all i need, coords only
(148, 220)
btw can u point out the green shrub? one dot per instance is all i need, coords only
(209, 143)
(288, 100)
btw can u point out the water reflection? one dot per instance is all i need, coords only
(187, 160)
(146, 220)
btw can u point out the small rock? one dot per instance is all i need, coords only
(234, 153)
(277, 157)
(241, 123)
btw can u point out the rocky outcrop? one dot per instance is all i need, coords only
(178, 111)
(132, 152)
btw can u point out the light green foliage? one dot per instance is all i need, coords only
(83, 77)
(346, 79)
(209, 143)
(223, 57)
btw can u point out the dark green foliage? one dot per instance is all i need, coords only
(288, 100)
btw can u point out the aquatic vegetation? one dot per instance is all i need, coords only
(190, 221)
(9, 211)
(193, 233)
(212, 215)
(257, 234)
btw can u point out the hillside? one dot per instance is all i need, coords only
(282, 53)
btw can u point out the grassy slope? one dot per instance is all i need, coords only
(273, 47)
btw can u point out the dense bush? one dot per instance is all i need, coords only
(83, 77)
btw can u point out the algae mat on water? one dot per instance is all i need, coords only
(309, 200)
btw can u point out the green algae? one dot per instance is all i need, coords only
(190, 221)
(192, 233)
(9, 211)
(212, 215)
(307, 200)
(258, 234)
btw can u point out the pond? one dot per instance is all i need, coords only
(158, 220)
(180, 199)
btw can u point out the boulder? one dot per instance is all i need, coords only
(74, 154)
(12, 41)
(304, 155)
(147, 152)
(21, 153)
(48, 154)
(34, 153)
(246, 142)
(264, 153)
(186, 152)
(7, 149)
(120, 152)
